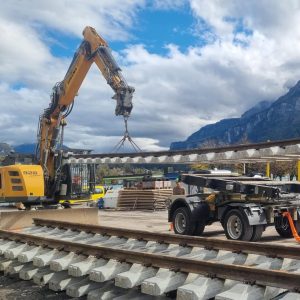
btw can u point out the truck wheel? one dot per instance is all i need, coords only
(66, 204)
(283, 228)
(27, 206)
(200, 226)
(182, 223)
(201, 213)
(237, 226)
(257, 233)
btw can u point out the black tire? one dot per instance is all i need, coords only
(236, 226)
(200, 226)
(257, 232)
(27, 206)
(202, 214)
(66, 204)
(182, 222)
(283, 228)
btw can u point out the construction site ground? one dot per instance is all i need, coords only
(157, 222)
(14, 288)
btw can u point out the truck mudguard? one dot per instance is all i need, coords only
(197, 208)
(254, 213)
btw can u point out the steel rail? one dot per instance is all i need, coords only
(189, 241)
(251, 275)
(255, 146)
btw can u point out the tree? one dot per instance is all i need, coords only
(281, 168)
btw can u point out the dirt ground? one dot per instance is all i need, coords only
(13, 288)
(158, 222)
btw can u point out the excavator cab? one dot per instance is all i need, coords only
(77, 183)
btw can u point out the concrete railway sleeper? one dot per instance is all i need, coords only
(163, 238)
(85, 263)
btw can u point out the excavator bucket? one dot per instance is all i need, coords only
(21, 219)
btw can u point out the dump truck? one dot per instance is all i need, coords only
(243, 205)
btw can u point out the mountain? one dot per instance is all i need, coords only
(25, 148)
(30, 149)
(259, 107)
(5, 149)
(265, 121)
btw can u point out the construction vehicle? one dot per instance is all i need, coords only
(244, 206)
(51, 180)
(98, 193)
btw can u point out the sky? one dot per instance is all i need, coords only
(192, 63)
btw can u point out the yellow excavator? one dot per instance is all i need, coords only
(50, 179)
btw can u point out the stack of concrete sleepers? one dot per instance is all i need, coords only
(147, 199)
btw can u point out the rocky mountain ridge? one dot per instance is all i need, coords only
(276, 120)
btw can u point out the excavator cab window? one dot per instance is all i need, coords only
(80, 180)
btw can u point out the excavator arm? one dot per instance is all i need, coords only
(93, 49)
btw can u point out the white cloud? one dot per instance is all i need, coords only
(175, 94)
(21, 52)
(168, 4)
(19, 116)
(80, 138)
(111, 17)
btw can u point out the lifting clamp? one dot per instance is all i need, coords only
(125, 137)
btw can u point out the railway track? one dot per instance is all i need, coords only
(109, 263)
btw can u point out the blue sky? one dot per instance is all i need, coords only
(153, 28)
(61, 45)
(156, 29)
(192, 63)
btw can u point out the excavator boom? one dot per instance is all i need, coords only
(93, 49)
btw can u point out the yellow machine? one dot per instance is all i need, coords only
(21, 183)
(98, 193)
(51, 177)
